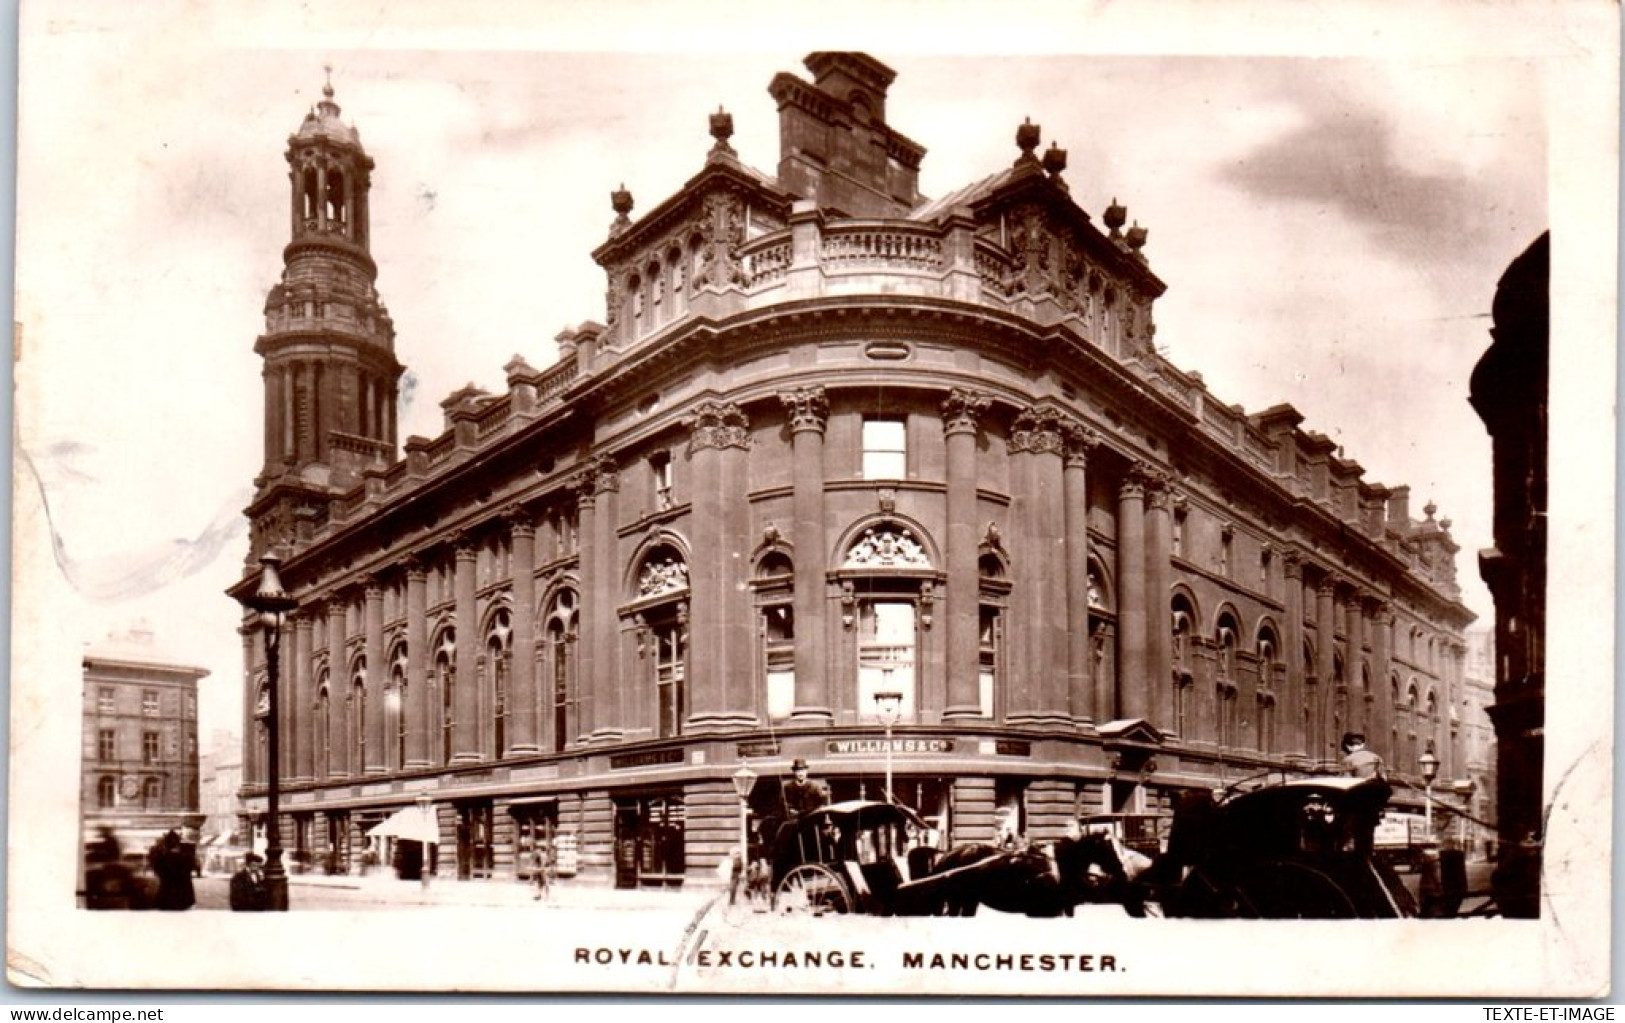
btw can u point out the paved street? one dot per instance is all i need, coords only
(385, 891)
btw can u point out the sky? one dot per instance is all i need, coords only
(1330, 229)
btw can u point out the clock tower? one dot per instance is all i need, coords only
(330, 373)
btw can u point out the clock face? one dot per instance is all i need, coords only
(131, 787)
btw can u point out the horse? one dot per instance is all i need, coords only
(1046, 879)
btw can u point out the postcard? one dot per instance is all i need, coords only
(895, 500)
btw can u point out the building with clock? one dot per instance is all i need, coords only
(840, 472)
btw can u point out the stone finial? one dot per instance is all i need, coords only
(620, 201)
(1054, 160)
(1027, 139)
(1116, 216)
(722, 129)
(1135, 238)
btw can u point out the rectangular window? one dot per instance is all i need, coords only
(886, 635)
(660, 468)
(669, 663)
(779, 650)
(106, 745)
(105, 701)
(149, 703)
(885, 449)
(987, 663)
(149, 747)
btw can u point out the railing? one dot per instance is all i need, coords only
(891, 247)
(766, 259)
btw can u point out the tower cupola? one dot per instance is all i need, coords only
(330, 372)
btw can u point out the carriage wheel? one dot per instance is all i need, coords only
(812, 888)
(1285, 891)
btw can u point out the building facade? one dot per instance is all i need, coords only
(139, 760)
(832, 439)
(1510, 393)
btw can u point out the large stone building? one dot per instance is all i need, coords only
(139, 760)
(832, 439)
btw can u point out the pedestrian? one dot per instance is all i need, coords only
(1357, 760)
(173, 868)
(544, 869)
(108, 882)
(248, 891)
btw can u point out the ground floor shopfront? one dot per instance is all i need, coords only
(666, 813)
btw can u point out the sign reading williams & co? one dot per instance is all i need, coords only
(851, 747)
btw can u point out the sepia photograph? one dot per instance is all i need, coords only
(901, 499)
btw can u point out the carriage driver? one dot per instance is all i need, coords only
(800, 796)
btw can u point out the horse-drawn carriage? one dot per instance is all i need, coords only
(1297, 849)
(873, 858)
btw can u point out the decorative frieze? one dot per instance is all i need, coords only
(717, 424)
(887, 546)
(1039, 431)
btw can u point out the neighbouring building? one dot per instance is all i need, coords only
(220, 779)
(1509, 391)
(832, 439)
(139, 760)
(1478, 739)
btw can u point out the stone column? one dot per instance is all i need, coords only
(1039, 692)
(609, 710)
(1159, 616)
(1325, 664)
(337, 671)
(1080, 441)
(377, 678)
(522, 671)
(420, 698)
(465, 729)
(808, 409)
(253, 770)
(960, 413)
(588, 557)
(1132, 684)
(1294, 708)
(1381, 721)
(741, 680)
(1354, 628)
(719, 431)
(301, 733)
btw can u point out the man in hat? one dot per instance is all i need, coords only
(1357, 760)
(801, 794)
(248, 890)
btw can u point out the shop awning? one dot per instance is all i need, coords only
(413, 823)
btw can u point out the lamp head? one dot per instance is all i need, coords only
(888, 705)
(1429, 763)
(270, 599)
(744, 780)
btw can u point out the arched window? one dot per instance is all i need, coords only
(662, 622)
(560, 632)
(445, 673)
(498, 651)
(336, 212)
(888, 595)
(1102, 639)
(324, 720)
(358, 717)
(396, 708)
(152, 794)
(678, 273)
(1227, 685)
(1183, 622)
(106, 793)
(1269, 676)
(635, 293)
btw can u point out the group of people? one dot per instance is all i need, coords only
(110, 883)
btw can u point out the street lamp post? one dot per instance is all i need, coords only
(1429, 763)
(272, 603)
(888, 705)
(744, 780)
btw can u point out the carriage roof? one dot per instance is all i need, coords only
(868, 813)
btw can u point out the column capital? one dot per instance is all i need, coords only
(596, 476)
(962, 410)
(1080, 442)
(807, 407)
(373, 588)
(1355, 598)
(717, 424)
(519, 520)
(1327, 586)
(1038, 431)
(1382, 612)
(414, 567)
(464, 547)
